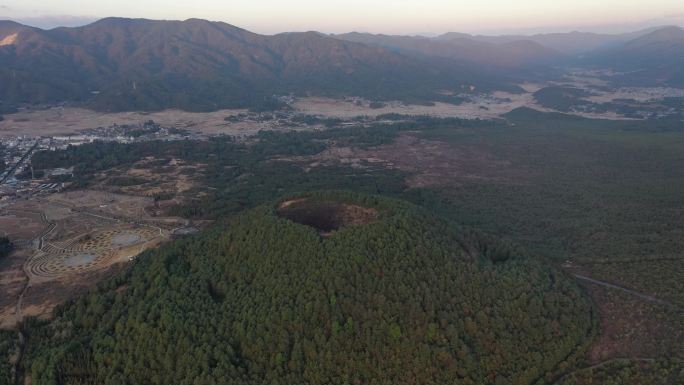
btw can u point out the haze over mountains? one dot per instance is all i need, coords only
(653, 58)
(511, 54)
(128, 64)
(571, 43)
(199, 65)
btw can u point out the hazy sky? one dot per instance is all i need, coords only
(378, 16)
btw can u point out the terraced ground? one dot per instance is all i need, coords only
(89, 252)
(66, 244)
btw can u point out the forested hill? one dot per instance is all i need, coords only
(326, 288)
(129, 64)
(653, 59)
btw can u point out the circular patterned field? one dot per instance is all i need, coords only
(55, 265)
(105, 240)
(87, 252)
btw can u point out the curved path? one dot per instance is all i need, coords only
(629, 291)
(21, 341)
(39, 244)
(602, 364)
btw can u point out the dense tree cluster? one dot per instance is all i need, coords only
(563, 99)
(6, 247)
(8, 349)
(263, 300)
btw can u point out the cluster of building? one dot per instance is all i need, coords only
(18, 180)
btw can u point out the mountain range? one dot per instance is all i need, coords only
(119, 64)
(628, 51)
(505, 55)
(656, 58)
(137, 64)
(571, 43)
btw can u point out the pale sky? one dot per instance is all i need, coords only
(377, 16)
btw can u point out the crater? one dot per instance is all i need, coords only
(326, 216)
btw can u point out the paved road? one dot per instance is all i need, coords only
(23, 159)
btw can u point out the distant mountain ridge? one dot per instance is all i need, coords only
(570, 43)
(463, 48)
(654, 59)
(119, 64)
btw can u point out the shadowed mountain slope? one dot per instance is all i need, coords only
(119, 64)
(656, 58)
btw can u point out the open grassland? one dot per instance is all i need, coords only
(71, 120)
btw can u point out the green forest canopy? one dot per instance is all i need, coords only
(403, 299)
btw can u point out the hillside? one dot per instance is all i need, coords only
(656, 58)
(573, 43)
(461, 48)
(120, 64)
(321, 288)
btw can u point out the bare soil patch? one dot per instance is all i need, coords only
(103, 202)
(429, 163)
(633, 328)
(20, 225)
(154, 176)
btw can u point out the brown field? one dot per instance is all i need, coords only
(71, 120)
(634, 328)
(156, 176)
(429, 162)
(487, 108)
(20, 225)
(68, 120)
(347, 109)
(102, 202)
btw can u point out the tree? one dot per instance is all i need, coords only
(6, 247)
